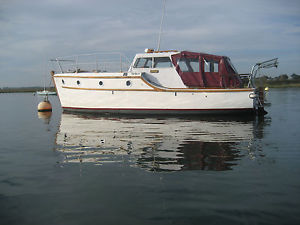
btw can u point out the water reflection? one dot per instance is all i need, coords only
(158, 144)
(45, 116)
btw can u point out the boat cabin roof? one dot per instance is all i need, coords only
(156, 54)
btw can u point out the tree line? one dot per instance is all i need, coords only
(24, 89)
(281, 80)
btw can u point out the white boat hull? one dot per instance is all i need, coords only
(142, 97)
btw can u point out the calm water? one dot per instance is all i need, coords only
(79, 169)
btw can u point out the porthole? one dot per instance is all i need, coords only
(63, 82)
(101, 83)
(128, 83)
(78, 82)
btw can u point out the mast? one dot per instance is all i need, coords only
(161, 23)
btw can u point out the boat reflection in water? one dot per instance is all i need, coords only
(158, 144)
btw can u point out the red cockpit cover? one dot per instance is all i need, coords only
(205, 70)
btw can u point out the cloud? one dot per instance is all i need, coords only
(33, 31)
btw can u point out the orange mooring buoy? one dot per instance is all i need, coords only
(45, 106)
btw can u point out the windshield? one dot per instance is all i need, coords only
(158, 62)
(143, 63)
(162, 62)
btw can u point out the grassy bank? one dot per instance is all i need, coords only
(278, 84)
(283, 85)
(24, 89)
(282, 81)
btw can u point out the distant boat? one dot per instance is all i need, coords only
(45, 92)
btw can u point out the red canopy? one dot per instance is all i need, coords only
(205, 70)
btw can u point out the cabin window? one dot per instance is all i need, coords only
(188, 65)
(101, 83)
(211, 66)
(215, 67)
(143, 63)
(128, 83)
(162, 62)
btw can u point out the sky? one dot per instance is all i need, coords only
(34, 31)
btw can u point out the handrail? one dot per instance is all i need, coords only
(95, 60)
(261, 65)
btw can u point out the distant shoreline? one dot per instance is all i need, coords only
(24, 89)
(282, 81)
(294, 85)
(278, 84)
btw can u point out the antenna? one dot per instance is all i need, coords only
(161, 23)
